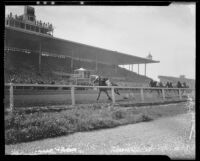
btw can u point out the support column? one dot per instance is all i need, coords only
(113, 95)
(145, 69)
(11, 97)
(138, 68)
(39, 57)
(5, 42)
(73, 95)
(142, 94)
(132, 67)
(163, 93)
(79, 62)
(115, 68)
(180, 95)
(39, 67)
(72, 62)
(96, 64)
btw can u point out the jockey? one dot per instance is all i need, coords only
(108, 83)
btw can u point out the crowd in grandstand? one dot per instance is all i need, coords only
(23, 68)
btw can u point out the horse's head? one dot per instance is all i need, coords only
(96, 80)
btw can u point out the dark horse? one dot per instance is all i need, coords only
(168, 91)
(156, 84)
(105, 82)
(179, 85)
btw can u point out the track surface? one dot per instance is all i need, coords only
(167, 136)
(28, 98)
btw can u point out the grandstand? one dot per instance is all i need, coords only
(32, 56)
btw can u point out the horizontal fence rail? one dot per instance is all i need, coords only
(84, 86)
(72, 89)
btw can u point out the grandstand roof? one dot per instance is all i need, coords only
(23, 39)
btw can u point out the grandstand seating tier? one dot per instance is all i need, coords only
(23, 68)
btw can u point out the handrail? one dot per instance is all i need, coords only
(73, 88)
(84, 86)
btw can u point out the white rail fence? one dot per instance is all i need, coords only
(74, 87)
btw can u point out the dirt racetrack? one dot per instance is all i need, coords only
(164, 136)
(28, 98)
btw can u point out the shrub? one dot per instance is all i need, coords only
(103, 123)
(147, 118)
(20, 127)
(120, 114)
(10, 136)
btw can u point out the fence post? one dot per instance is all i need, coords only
(142, 94)
(72, 95)
(11, 97)
(163, 93)
(180, 96)
(113, 94)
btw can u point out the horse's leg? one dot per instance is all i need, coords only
(178, 92)
(183, 91)
(99, 94)
(158, 92)
(107, 95)
(116, 91)
(167, 93)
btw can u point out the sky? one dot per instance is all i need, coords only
(167, 32)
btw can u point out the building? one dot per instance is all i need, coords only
(28, 22)
(27, 38)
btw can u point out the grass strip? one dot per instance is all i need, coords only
(23, 127)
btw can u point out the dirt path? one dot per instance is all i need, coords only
(167, 136)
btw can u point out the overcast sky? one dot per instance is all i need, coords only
(167, 32)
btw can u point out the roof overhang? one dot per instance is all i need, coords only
(23, 39)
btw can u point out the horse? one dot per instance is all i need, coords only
(169, 85)
(155, 84)
(179, 85)
(105, 82)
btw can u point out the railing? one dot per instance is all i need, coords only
(74, 87)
